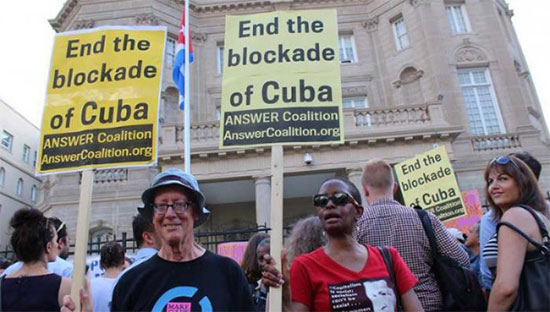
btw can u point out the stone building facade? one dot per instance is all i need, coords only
(18, 186)
(415, 73)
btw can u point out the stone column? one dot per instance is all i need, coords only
(263, 200)
(354, 175)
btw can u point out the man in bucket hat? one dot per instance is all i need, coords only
(182, 276)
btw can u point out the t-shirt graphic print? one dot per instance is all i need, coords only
(362, 296)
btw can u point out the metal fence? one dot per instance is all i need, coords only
(209, 240)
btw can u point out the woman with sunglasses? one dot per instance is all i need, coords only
(512, 192)
(344, 275)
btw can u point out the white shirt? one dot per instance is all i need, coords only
(60, 267)
(102, 290)
(142, 255)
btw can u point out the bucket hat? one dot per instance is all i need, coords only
(174, 176)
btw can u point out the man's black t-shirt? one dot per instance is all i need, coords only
(208, 283)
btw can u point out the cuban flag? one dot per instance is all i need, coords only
(178, 73)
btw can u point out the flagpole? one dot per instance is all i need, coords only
(187, 109)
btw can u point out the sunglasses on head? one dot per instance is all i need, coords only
(338, 199)
(504, 160)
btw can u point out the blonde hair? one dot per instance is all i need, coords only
(377, 174)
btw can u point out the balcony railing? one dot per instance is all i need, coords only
(393, 116)
(494, 142)
(205, 135)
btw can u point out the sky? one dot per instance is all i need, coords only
(26, 41)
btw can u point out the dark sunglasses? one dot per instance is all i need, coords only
(338, 199)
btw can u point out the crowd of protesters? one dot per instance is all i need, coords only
(349, 255)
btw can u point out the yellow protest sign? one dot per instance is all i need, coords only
(428, 180)
(281, 81)
(102, 99)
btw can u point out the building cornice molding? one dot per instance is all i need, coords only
(84, 24)
(20, 168)
(17, 199)
(417, 3)
(371, 24)
(172, 157)
(67, 9)
(147, 19)
(205, 7)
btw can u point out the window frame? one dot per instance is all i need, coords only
(354, 100)
(218, 112)
(6, 134)
(492, 93)
(34, 192)
(2, 176)
(26, 153)
(453, 21)
(170, 57)
(341, 38)
(219, 58)
(19, 187)
(397, 37)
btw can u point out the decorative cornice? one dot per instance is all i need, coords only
(219, 7)
(147, 19)
(470, 54)
(248, 5)
(84, 24)
(349, 91)
(199, 38)
(371, 24)
(417, 3)
(509, 13)
(357, 78)
(63, 14)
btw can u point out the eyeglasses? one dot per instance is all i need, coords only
(504, 160)
(177, 206)
(338, 199)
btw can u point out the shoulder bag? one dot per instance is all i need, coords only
(459, 286)
(534, 282)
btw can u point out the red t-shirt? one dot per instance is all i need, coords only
(324, 285)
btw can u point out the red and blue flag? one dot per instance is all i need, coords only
(178, 73)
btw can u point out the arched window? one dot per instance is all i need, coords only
(19, 189)
(2, 176)
(33, 193)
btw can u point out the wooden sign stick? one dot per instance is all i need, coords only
(81, 241)
(277, 168)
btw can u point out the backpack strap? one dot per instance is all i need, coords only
(388, 260)
(427, 225)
